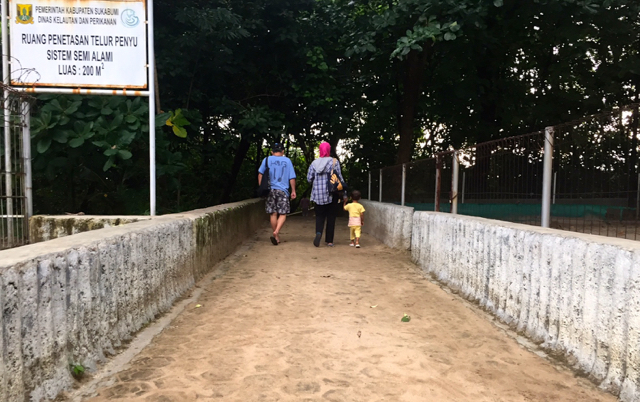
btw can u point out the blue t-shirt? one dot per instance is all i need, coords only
(280, 172)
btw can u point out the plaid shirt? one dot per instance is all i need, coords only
(320, 181)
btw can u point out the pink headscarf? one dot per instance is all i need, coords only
(325, 150)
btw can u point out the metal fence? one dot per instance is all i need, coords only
(581, 176)
(15, 149)
(503, 179)
(424, 184)
(595, 175)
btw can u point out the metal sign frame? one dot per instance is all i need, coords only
(150, 93)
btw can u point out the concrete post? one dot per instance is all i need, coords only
(547, 178)
(454, 184)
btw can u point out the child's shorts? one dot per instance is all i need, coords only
(356, 231)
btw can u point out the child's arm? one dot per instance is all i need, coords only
(361, 218)
(345, 206)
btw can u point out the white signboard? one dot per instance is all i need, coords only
(78, 43)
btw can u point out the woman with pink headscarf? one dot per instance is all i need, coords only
(327, 204)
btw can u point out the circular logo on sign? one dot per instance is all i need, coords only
(129, 18)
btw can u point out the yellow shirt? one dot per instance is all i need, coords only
(355, 209)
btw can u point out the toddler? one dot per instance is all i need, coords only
(356, 218)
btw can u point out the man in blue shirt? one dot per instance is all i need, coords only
(281, 175)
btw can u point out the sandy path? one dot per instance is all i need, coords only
(285, 328)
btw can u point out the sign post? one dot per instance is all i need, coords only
(92, 47)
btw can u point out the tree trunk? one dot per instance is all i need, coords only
(307, 151)
(241, 154)
(412, 80)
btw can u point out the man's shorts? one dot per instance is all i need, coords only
(278, 201)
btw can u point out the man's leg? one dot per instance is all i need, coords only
(279, 224)
(274, 221)
(273, 218)
(283, 207)
(321, 215)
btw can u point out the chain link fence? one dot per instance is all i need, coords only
(589, 168)
(595, 175)
(503, 179)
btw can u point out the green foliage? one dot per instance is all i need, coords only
(98, 147)
(110, 124)
(366, 74)
(177, 122)
(77, 371)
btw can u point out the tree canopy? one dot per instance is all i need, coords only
(390, 81)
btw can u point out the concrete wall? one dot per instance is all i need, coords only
(389, 223)
(77, 298)
(44, 228)
(577, 295)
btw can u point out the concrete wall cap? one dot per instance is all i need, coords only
(631, 245)
(29, 252)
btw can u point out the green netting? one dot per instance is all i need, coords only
(511, 211)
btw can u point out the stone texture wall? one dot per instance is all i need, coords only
(76, 299)
(576, 295)
(44, 228)
(389, 223)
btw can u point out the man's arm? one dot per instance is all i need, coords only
(261, 170)
(292, 182)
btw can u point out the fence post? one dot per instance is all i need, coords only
(369, 192)
(638, 199)
(404, 181)
(438, 177)
(547, 178)
(555, 184)
(454, 184)
(26, 152)
(380, 187)
(464, 182)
